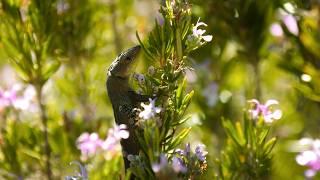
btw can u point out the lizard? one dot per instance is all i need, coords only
(124, 99)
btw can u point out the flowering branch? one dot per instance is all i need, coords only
(159, 133)
(247, 154)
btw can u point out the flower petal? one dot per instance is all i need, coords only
(277, 114)
(207, 38)
(254, 101)
(199, 32)
(271, 102)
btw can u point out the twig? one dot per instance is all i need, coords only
(44, 120)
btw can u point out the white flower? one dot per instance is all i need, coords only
(197, 39)
(139, 77)
(149, 110)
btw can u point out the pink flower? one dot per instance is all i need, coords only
(7, 97)
(265, 110)
(276, 30)
(291, 24)
(114, 137)
(89, 143)
(13, 98)
(310, 157)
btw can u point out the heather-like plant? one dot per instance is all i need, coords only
(160, 121)
(247, 154)
(28, 41)
(32, 34)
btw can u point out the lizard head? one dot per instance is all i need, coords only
(121, 65)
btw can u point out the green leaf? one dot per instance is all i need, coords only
(269, 145)
(50, 69)
(183, 120)
(262, 136)
(232, 132)
(179, 91)
(179, 138)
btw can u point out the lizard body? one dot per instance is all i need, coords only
(124, 99)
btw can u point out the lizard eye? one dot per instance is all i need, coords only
(128, 58)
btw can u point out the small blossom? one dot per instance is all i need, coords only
(265, 110)
(7, 98)
(180, 152)
(291, 24)
(151, 70)
(178, 165)
(149, 110)
(211, 94)
(310, 157)
(186, 152)
(276, 30)
(114, 137)
(13, 98)
(89, 143)
(310, 173)
(201, 153)
(185, 158)
(140, 78)
(199, 32)
(197, 39)
(157, 167)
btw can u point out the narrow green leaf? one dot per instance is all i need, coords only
(269, 145)
(179, 138)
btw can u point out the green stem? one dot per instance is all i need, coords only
(116, 34)
(44, 120)
(179, 44)
(256, 69)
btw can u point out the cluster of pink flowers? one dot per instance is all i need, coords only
(18, 97)
(90, 144)
(309, 156)
(265, 110)
(290, 23)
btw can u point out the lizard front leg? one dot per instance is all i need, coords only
(137, 98)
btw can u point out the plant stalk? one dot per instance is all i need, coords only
(44, 120)
(257, 79)
(116, 34)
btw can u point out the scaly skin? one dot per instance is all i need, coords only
(124, 99)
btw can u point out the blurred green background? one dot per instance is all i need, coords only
(260, 49)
